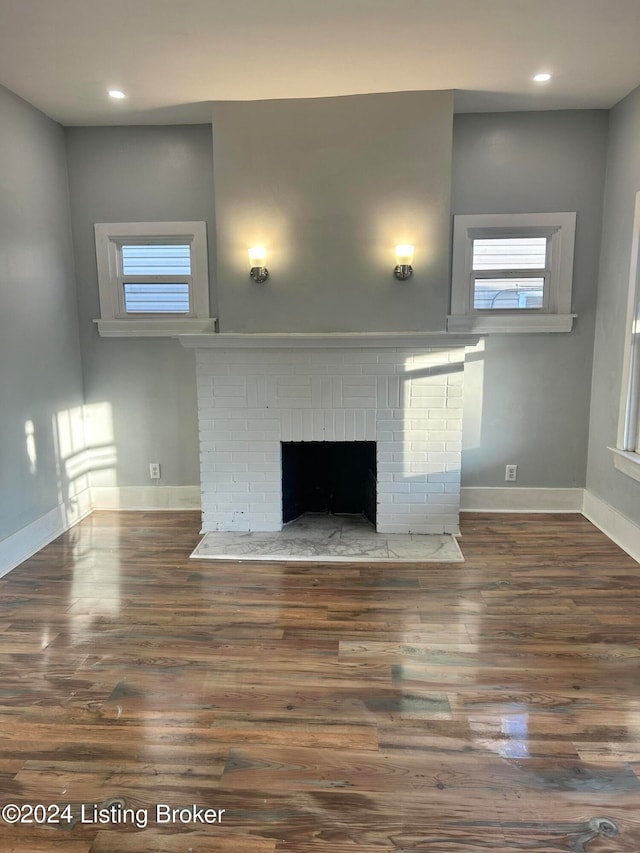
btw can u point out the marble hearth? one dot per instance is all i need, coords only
(402, 391)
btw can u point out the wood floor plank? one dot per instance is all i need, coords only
(162, 842)
(491, 705)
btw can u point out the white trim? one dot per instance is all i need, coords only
(560, 227)
(629, 414)
(626, 462)
(109, 237)
(146, 497)
(507, 323)
(613, 524)
(27, 541)
(321, 340)
(19, 546)
(500, 499)
(24, 543)
(154, 328)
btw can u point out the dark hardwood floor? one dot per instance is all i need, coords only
(492, 705)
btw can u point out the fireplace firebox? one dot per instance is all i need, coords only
(336, 477)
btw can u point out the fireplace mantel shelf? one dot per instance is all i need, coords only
(324, 340)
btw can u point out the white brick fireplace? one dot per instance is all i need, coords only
(403, 391)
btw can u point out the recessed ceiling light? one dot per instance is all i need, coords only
(117, 94)
(542, 78)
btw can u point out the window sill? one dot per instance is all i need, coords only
(626, 462)
(510, 323)
(154, 328)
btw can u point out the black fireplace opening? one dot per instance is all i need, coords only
(328, 476)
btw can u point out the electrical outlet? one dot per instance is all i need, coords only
(511, 473)
(154, 470)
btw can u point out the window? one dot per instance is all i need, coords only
(152, 278)
(156, 278)
(627, 451)
(512, 273)
(509, 272)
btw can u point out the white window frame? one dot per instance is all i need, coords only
(114, 320)
(627, 451)
(555, 314)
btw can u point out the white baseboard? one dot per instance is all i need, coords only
(616, 526)
(19, 546)
(146, 497)
(477, 499)
(24, 543)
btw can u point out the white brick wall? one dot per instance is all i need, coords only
(410, 403)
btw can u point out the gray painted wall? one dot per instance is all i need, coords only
(527, 396)
(516, 396)
(330, 189)
(143, 390)
(623, 181)
(40, 373)
(330, 186)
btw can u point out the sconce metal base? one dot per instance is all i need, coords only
(259, 274)
(403, 271)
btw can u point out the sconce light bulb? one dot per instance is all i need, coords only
(257, 256)
(404, 254)
(404, 258)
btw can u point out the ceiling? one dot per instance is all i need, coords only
(172, 57)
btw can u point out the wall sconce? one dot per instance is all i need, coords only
(257, 256)
(404, 258)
